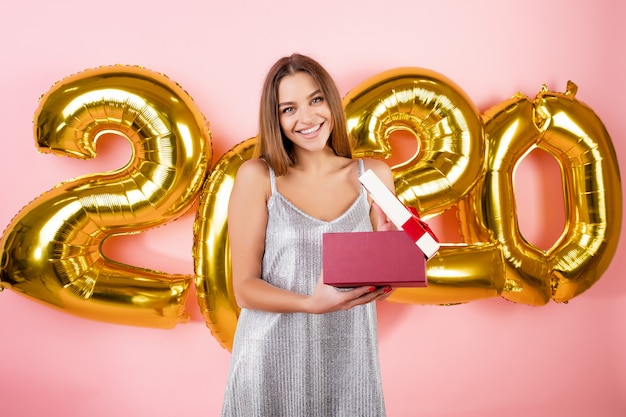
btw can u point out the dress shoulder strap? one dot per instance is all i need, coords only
(361, 172)
(272, 179)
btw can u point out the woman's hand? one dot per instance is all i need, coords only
(326, 298)
(382, 222)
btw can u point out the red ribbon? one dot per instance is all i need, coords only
(416, 227)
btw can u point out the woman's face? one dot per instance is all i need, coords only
(304, 114)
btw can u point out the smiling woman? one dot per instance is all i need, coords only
(301, 347)
(492, 356)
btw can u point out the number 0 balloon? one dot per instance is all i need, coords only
(211, 250)
(574, 135)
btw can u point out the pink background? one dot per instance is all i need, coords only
(485, 358)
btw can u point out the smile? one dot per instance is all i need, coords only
(311, 130)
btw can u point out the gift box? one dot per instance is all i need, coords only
(388, 258)
(403, 217)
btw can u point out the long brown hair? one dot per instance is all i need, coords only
(272, 145)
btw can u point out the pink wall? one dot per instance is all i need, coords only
(485, 358)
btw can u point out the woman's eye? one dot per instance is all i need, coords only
(287, 110)
(317, 100)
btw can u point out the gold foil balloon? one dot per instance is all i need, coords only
(457, 274)
(448, 163)
(52, 249)
(444, 121)
(211, 249)
(446, 167)
(572, 133)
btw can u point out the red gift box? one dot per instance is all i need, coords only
(389, 258)
(404, 218)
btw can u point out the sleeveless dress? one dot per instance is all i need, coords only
(300, 364)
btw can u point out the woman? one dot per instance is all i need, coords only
(301, 348)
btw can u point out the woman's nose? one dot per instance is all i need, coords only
(306, 114)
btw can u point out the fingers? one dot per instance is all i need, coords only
(384, 293)
(369, 294)
(381, 217)
(382, 222)
(329, 299)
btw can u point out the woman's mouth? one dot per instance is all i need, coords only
(310, 130)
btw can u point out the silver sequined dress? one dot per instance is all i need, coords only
(299, 364)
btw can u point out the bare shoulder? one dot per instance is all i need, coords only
(381, 169)
(376, 165)
(253, 170)
(252, 177)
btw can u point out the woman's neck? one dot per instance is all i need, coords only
(316, 162)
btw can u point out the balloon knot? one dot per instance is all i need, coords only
(571, 88)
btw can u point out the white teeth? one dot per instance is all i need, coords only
(311, 130)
